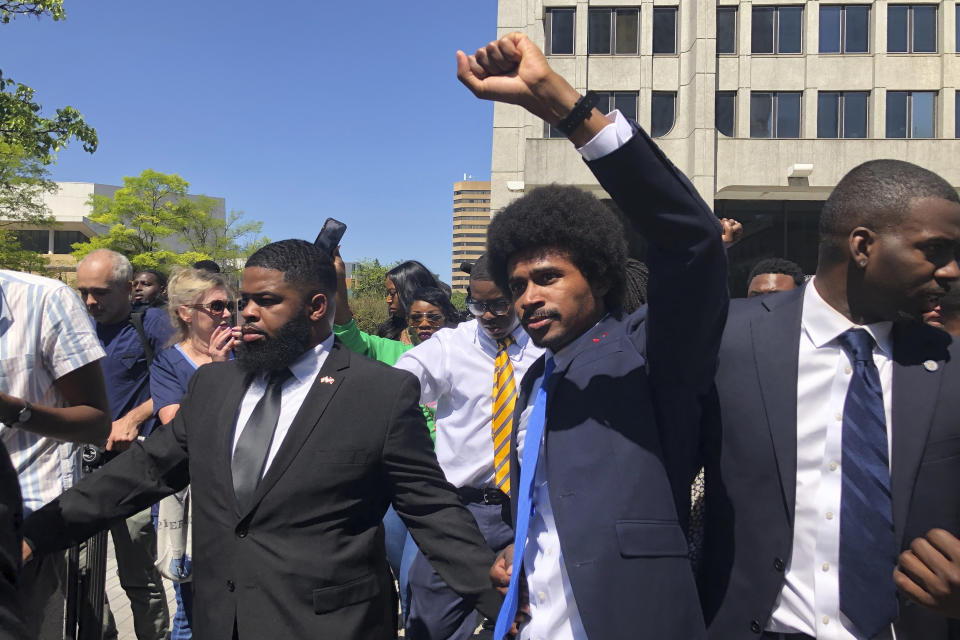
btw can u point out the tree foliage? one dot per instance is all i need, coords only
(229, 242)
(10, 9)
(369, 278)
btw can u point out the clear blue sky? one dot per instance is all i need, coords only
(293, 112)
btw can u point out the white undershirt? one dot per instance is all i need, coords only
(810, 600)
(293, 393)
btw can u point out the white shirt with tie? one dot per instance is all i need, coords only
(810, 600)
(292, 394)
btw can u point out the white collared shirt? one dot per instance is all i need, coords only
(810, 600)
(553, 608)
(293, 393)
(456, 370)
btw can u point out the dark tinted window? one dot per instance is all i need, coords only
(726, 29)
(725, 113)
(599, 31)
(663, 112)
(789, 29)
(627, 23)
(921, 114)
(775, 115)
(788, 115)
(924, 29)
(665, 30)
(911, 114)
(855, 114)
(897, 28)
(830, 18)
(842, 115)
(761, 115)
(761, 31)
(559, 31)
(912, 28)
(857, 29)
(828, 114)
(897, 114)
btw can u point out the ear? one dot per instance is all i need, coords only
(600, 288)
(861, 243)
(318, 307)
(185, 314)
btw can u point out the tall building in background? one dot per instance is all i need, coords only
(471, 215)
(765, 105)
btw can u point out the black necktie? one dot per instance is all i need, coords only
(250, 454)
(868, 552)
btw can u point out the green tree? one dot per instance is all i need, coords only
(369, 278)
(28, 144)
(145, 212)
(229, 242)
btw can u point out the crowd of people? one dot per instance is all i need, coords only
(597, 448)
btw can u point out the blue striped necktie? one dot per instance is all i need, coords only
(524, 495)
(868, 596)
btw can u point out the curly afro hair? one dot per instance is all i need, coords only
(564, 219)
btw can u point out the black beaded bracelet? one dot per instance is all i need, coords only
(581, 111)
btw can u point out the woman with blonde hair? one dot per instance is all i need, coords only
(201, 307)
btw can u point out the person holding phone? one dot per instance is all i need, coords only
(201, 309)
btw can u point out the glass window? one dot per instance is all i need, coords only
(35, 240)
(613, 31)
(664, 30)
(775, 115)
(842, 114)
(725, 112)
(844, 29)
(911, 114)
(558, 29)
(956, 28)
(726, 29)
(956, 108)
(62, 240)
(912, 28)
(663, 112)
(777, 30)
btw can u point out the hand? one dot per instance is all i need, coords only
(123, 432)
(929, 572)
(26, 553)
(500, 574)
(339, 266)
(513, 70)
(222, 342)
(732, 232)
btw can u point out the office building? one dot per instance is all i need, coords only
(471, 215)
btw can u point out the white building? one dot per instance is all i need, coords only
(764, 105)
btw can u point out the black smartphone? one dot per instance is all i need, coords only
(329, 237)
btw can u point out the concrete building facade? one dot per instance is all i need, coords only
(471, 215)
(764, 105)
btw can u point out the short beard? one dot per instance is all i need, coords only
(278, 352)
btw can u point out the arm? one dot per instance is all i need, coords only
(427, 361)
(127, 428)
(150, 470)
(441, 526)
(342, 314)
(87, 418)
(380, 349)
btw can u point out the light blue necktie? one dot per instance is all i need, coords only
(524, 494)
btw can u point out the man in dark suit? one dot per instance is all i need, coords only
(838, 444)
(610, 413)
(11, 521)
(293, 452)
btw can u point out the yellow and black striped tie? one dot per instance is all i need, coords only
(504, 401)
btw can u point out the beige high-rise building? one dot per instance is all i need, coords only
(471, 215)
(764, 105)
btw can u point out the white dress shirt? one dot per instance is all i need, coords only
(455, 368)
(810, 600)
(292, 394)
(553, 609)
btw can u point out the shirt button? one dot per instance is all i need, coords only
(847, 370)
(826, 619)
(230, 586)
(779, 564)
(549, 551)
(542, 596)
(838, 416)
(829, 515)
(826, 566)
(833, 466)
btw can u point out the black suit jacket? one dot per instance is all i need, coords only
(622, 416)
(752, 462)
(307, 559)
(11, 521)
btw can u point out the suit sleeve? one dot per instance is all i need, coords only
(139, 477)
(442, 527)
(11, 521)
(687, 293)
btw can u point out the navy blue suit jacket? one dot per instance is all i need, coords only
(622, 416)
(752, 461)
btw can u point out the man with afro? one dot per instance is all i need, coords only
(609, 414)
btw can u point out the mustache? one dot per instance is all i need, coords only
(539, 314)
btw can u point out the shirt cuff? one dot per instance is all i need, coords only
(611, 137)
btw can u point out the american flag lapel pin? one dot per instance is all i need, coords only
(326, 380)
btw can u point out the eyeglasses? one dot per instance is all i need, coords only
(215, 306)
(433, 319)
(498, 307)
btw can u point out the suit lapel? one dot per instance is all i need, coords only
(226, 424)
(775, 349)
(307, 417)
(915, 392)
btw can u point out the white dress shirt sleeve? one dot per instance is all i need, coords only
(611, 137)
(428, 362)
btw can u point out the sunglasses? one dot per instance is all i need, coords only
(216, 306)
(498, 307)
(433, 319)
